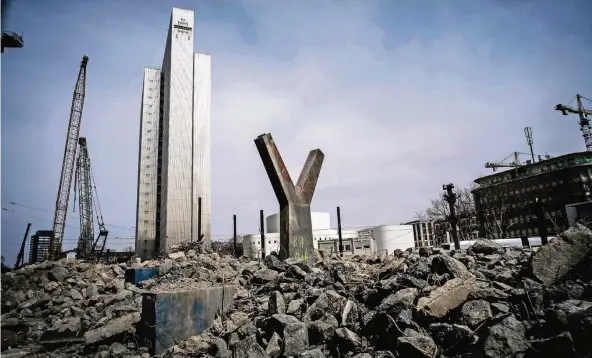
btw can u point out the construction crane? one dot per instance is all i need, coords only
(584, 122)
(20, 258)
(528, 134)
(9, 38)
(83, 180)
(61, 207)
(515, 164)
(103, 232)
(87, 201)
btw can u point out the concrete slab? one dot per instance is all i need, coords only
(175, 316)
(51, 338)
(136, 275)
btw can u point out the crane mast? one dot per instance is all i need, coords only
(83, 180)
(88, 247)
(61, 207)
(584, 122)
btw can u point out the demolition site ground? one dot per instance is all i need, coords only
(487, 301)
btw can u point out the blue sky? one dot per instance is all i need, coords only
(402, 96)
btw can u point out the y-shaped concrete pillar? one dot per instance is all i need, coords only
(296, 238)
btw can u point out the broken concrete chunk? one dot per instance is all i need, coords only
(499, 308)
(295, 339)
(322, 330)
(346, 339)
(443, 299)
(562, 313)
(488, 294)
(557, 346)
(220, 349)
(486, 247)
(274, 347)
(313, 353)
(417, 345)
(276, 303)
(502, 341)
(239, 318)
(328, 302)
(75, 294)
(274, 263)
(198, 344)
(349, 317)
(475, 312)
(249, 348)
(447, 335)
(114, 327)
(398, 301)
(177, 255)
(368, 355)
(58, 274)
(264, 276)
(14, 353)
(444, 264)
(391, 267)
(295, 306)
(551, 262)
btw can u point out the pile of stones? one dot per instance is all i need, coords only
(73, 308)
(487, 301)
(52, 303)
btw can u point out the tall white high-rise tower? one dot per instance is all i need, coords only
(174, 155)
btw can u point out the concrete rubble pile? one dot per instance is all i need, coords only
(67, 302)
(487, 301)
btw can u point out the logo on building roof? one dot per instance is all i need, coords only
(182, 25)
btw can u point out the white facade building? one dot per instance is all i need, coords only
(392, 237)
(381, 239)
(174, 153)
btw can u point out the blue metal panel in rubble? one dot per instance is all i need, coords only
(137, 275)
(175, 316)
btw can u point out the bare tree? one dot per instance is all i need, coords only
(420, 215)
(497, 220)
(439, 210)
(128, 249)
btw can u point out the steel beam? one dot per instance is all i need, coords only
(296, 240)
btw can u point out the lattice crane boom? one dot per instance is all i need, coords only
(584, 122)
(61, 207)
(515, 164)
(83, 181)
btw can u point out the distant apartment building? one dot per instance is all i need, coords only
(507, 202)
(424, 233)
(174, 148)
(39, 246)
(431, 233)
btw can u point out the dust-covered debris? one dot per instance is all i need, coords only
(488, 301)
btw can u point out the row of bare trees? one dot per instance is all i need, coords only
(497, 222)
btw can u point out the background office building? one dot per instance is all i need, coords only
(424, 233)
(509, 203)
(174, 154)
